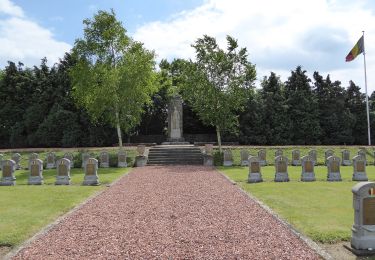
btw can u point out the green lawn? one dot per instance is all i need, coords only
(321, 210)
(25, 209)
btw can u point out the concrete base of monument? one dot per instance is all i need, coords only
(140, 161)
(360, 252)
(175, 143)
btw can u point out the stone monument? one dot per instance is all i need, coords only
(281, 168)
(32, 156)
(359, 169)
(85, 157)
(121, 159)
(141, 158)
(333, 166)
(327, 154)
(262, 155)
(70, 157)
(36, 172)
(255, 174)
(278, 152)
(104, 159)
(363, 230)
(244, 157)
(16, 157)
(91, 172)
(175, 112)
(8, 167)
(51, 160)
(296, 160)
(345, 156)
(208, 159)
(313, 155)
(63, 172)
(308, 173)
(228, 158)
(362, 152)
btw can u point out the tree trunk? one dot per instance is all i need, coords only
(218, 137)
(118, 129)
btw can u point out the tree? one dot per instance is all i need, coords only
(219, 83)
(114, 76)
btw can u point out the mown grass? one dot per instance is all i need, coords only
(25, 209)
(321, 210)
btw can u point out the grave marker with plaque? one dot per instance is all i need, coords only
(228, 158)
(262, 155)
(308, 173)
(359, 169)
(333, 166)
(36, 172)
(328, 153)
(296, 160)
(281, 168)
(121, 159)
(32, 156)
(255, 174)
(363, 230)
(91, 172)
(8, 168)
(51, 160)
(244, 157)
(313, 155)
(345, 155)
(63, 172)
(104, 159)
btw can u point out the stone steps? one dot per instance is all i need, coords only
(175, 155)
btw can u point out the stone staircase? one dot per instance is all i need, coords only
(175, 155)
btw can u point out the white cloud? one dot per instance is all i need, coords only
(24, 40)
(279, 35)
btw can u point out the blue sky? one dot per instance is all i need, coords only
(279, 35)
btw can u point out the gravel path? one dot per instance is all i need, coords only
(177, 212)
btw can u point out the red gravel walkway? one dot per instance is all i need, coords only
(180, 212)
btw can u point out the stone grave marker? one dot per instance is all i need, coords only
(363, 230)
(51, 160)
(121, 159)
(255, 174)
(278, 152)
(85, 157)
(228, 158)
(359, 169)
(141, 158)
(16, 157)
(362, 153)
(333, 166)
(8, 167)
(91, 172)
(104, 159)
(345, 156)
(262, 155)
(208, 159)
(308, 173)
(63, 172)
(36, 172)
(313, 155)
(296, 160)
(327, 154)
(281, 168)
(70, 157)
(244, 157)
(32, 156)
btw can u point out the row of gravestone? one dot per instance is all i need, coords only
(296, 157)
(307, 174)
(63, 167)
(51, 159)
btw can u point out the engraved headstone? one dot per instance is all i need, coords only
(255, 174)
(51, 160)
(104, 159)
(345, 156)
(121, 159)
(91, 172)
(16, 157)
(262, 155)
(36, 172)
(363, 230)
(281, 168)
(296, 160)
(63, 172)
(141, 158)
(327, 154)
(333, 166)
(359, 169)
(244, 157)
(313, 155)
(70, 157)
(228, 158)
(308, 173)
(278, 152)
(85, 157)
(8, 168)
(362, 152)
(32, 156)
(175, 113)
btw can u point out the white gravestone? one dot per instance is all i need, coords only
(36, 172)
(17, 159)
(63, 172)
(7, 168)
(228, 158)
(262, 155)
(327, 154)
(308, 173)
(296, 160)
(255, 174)
(91, 172)
(312, 153)
(121, 159)
(359, 169)
(104, 159)
(345, 156)
(70, 157)
(333, 167)
(363, 230)
(281, 168)
(51, 160)
(244, 157)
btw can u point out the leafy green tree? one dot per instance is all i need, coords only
(218, 84)
(114, 76)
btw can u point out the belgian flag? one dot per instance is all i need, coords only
(357, 49)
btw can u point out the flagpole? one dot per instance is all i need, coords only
(367, 106)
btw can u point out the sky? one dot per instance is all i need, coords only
(278, 35)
